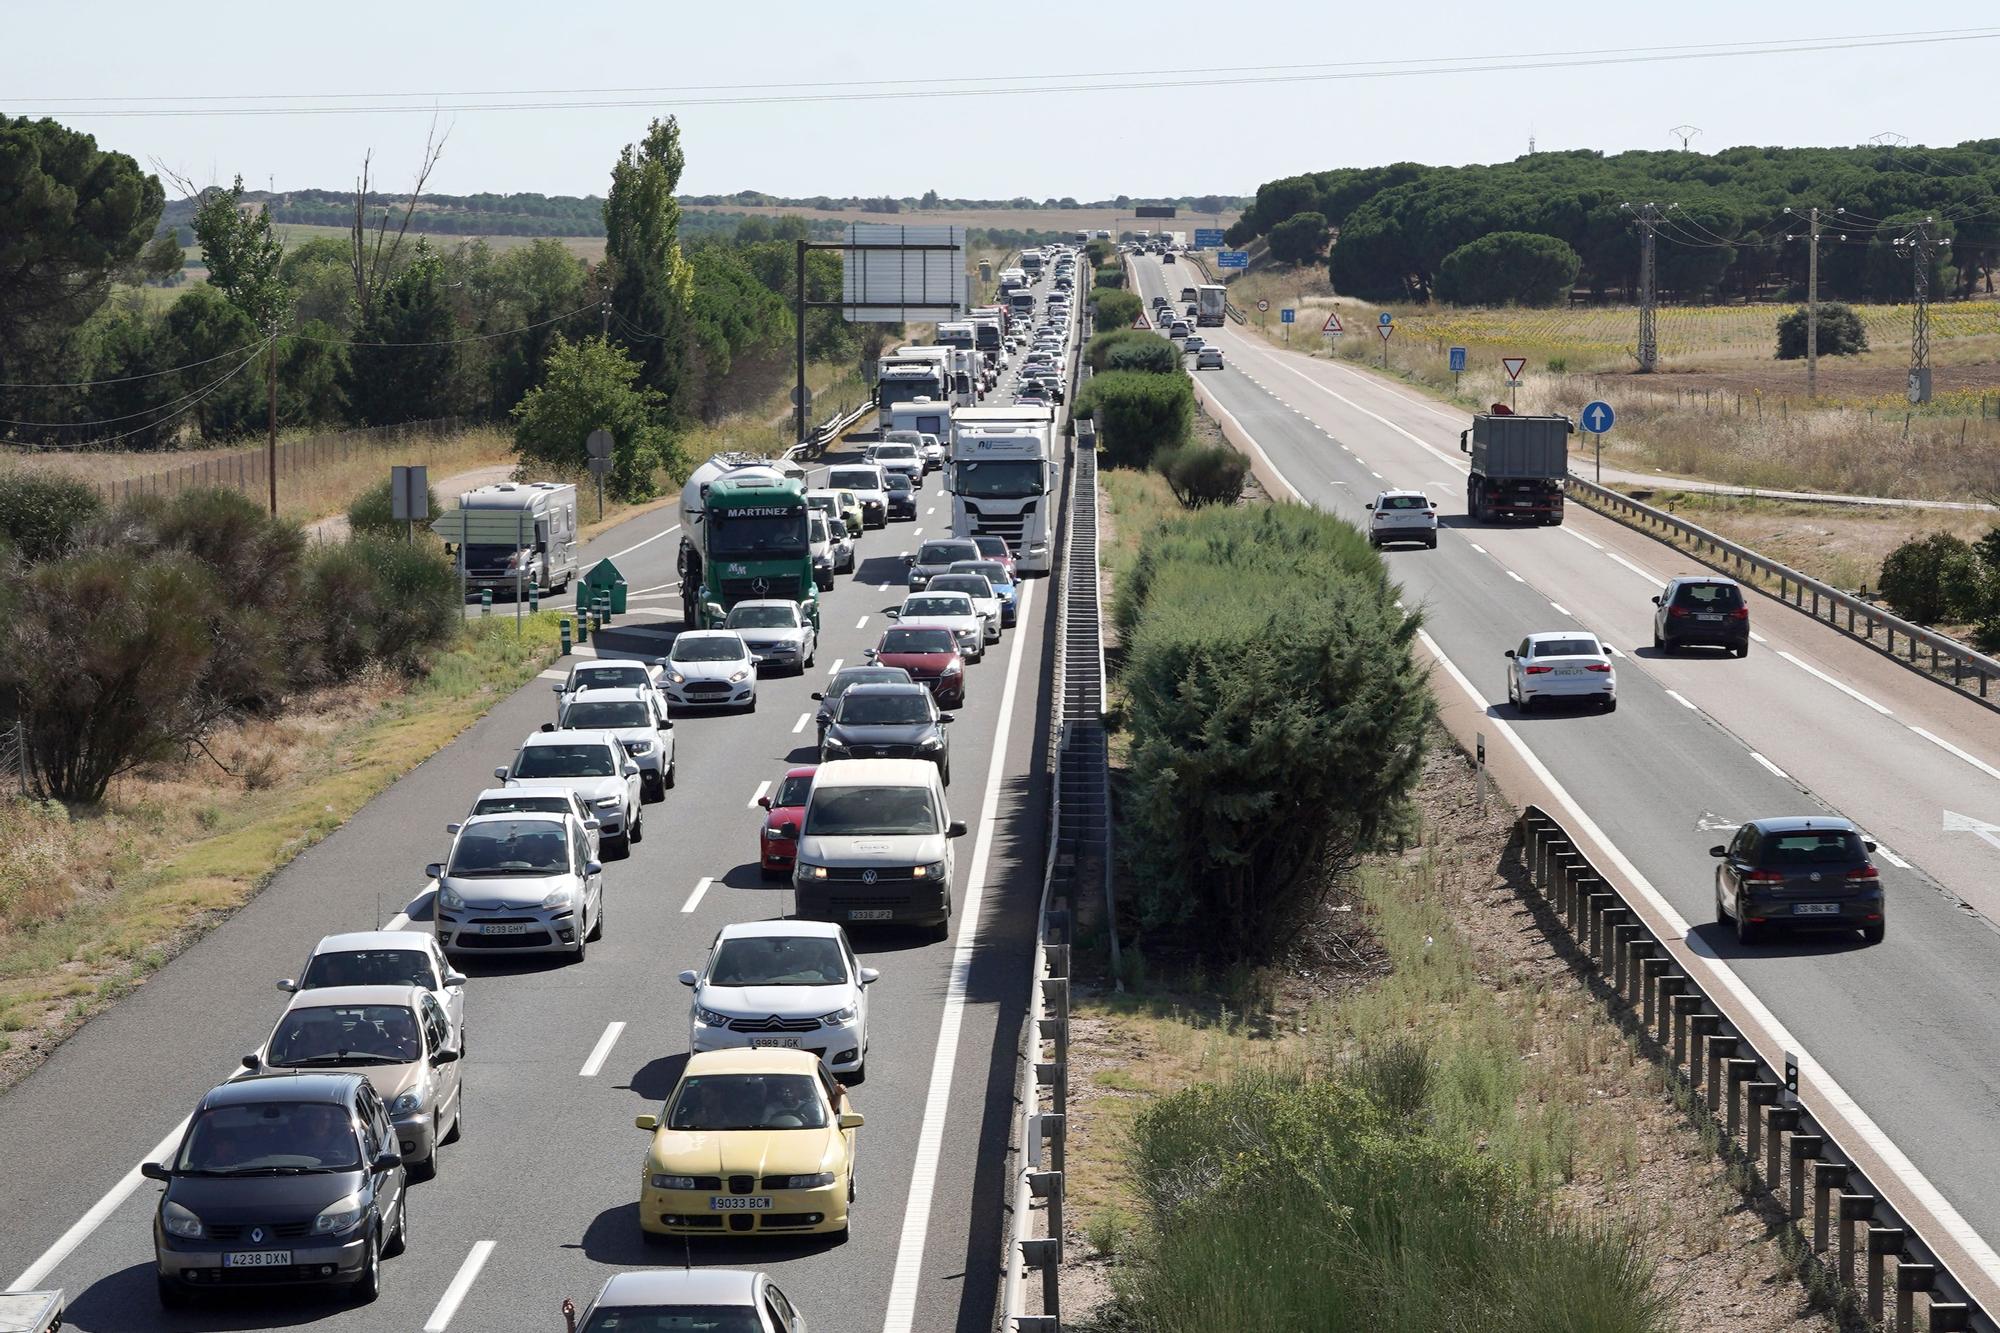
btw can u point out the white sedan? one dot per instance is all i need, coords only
(1566, 664)
(786, 983)
(711, 668)
(775, 631)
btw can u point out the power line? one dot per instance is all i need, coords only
(196, 393)
(148, 375)
(1089, 82)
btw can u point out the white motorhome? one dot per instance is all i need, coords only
(961, 366)
(515, 535)
(1002, 478)
(1031, 262)
(902, 379)
(926, 416)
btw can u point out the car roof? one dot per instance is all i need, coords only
(804, 770)
(494, 817)
(337, 1089)
(764, 1060)
(986, 565)
(709, 634)
(837, 773)
(781, 927)
(866, 668)
(681, 1286)
(1402, 490)
(1800, 823)
(612, 694)
(1705, 578)
(1545, 636)
(765, 601)
(913, 596)
(611, 662)
(357, 940)
(327, 996)
(893, 688)
(567, 738)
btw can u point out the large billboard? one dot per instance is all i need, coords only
(896, 274)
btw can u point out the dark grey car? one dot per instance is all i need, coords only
(829, 698)
(1799, 873)
(280, 1180)
(889, 722)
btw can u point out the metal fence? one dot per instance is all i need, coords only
(14, 775)
(815, 443)
(1940, 656)
(1851, 1235)
(247, 470)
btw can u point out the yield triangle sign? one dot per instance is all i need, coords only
(1513, 365)
(1141, 322)
(1332, 324)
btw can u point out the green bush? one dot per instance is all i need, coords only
(1276, 718)
(1147, 352)
(1508, 268)
(593, 384)
(1115, 309)
(373, 511)
(1299, 239)
(1110, 275)
(1841, 332)
(378, 599)
(1138, 413)
(40, 513)
(1097, 352)
(1100, 251)
(1934, 578)
(1203, 474)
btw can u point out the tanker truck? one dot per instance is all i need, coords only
(745, 530)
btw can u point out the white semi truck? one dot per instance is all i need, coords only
(1002, 479)
(902, 379)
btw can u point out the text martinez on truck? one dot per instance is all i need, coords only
(746, 539)
(1518, 466)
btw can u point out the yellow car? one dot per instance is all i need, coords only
(750, 1141)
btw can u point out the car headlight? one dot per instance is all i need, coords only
(562, 898)
(812, 871)
(639, 747)
(661, 1182)
(450, 899)
(775, 834)
(839, 1016)
(812, 1182)
(178, 1221)
(834, 745)
(951, 669)
(344, 1215)
(409, 1103)
(935, 870)
(737, 678)
(676, 678)
(708, 1018)
(608, 802)
(932, 743)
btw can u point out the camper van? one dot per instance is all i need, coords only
(515, 535)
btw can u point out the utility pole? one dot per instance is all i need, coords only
(604, 309)
(1648, 217)
(799, 349)
(1684, 133)
(271, 404)
(1920, 243)
(1812, 308)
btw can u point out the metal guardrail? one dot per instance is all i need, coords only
(827, 432)
(1079, 858)
(1967, 670)
(1716, 1064)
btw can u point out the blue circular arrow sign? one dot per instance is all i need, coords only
(1598, 417)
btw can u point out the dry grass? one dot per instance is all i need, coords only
(329, 489)
(92, 901)
(584, 247)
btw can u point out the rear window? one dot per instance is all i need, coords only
(1567, 648)
(1402, 502)
(943, 553)
(855, 479)
(1810, 847)
(1716, 595)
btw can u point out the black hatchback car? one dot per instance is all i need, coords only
(902, 496)
(1801, 872)
(280, 1180)
(889, 722)
(1701, 610)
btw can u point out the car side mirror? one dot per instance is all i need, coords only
(646, 1122)
(445, 1055)
(764, 802)
(868, 653)
(454, 979)
(453, 828)
(909, 560)
(593, 867)
(387, 1161)
(1868, 843)
(155, 1171)
(1369, 505)
(819, 696)
(1508, 653)
(548, 726)
(956, 829)
(630, 768)
(253, 1062)
(592, 825)
(1718, 850)
(557, 687)
(435, 870)
(689, 977)
(869, 976)
(851, 1120)
(1656, 601)
(947, 717)
(289, 985)
(500, 773)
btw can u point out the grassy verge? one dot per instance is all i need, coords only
(92, 902)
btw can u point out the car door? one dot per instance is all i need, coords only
(452, 997)
(1741, 858)
(779, 1314)
(1518, 667)
(663, 732)
(378, 1137)
(1660, 605)
(854, 975)
(622, 763)
(593, 885)
(446, 1078)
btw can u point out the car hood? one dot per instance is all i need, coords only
(239, 1200)
(757, 1152)
(929, 663)
(389, 1081)
(491, 894)
(710, 670)
(774, 634)
(883, 733)
(956, 624)
(866, 850)
(590, 789)
(784, 1001)
(785, 814)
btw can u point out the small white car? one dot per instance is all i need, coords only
(775, 631)
(1565, 664)
(900, 455)
(386, 958)
(518, 884)
(618, 673)
(1402, 516)
(790, 984)
(934, 448)
(946, 610)
(532, 800)
(819, 538)
(593, 765)
(711, 668)
(980, 590)
(638, 718)
(865, 480)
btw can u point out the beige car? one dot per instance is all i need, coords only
(398, 1036)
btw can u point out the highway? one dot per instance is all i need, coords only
(1811, 720)
(538, 1200)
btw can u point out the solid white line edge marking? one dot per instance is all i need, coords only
(1972, 759)
(461, 1284)
(80, 1230)
(1848, 690)
(1773, 767)
(1682, 700)
(599, 1052)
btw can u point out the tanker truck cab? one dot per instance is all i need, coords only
(748, 540)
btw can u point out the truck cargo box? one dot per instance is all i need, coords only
(1512, 447)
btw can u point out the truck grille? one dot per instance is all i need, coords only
(1008, 526)
(784, 586)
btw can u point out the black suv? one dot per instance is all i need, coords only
(889, 722)
(1798, 873)
(902, 496)
(1701, 609)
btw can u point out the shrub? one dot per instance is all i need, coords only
(1841, 332)
(373, 511)
(1203, 474)
(588, 385)
(1097, 352)
(1299, 239)
(40, 513)
(1508, 268)
(378, 599)
(1934, 578)
(1115, 309)
(1101, 251)
(1138, 413)
(1110, 275)
(1146, 352)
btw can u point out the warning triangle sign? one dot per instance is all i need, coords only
(1141, 322)
(1513, 365)
(1332, 324)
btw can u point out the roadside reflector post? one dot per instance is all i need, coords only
(486, 601)
(535, 600)
(1827, 1177)
(564, 622)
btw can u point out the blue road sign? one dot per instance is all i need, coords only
(1385, 318)
(1598, 417)
(1457, 360)
(1287, 315)
(1208, 238)
(1232, 259)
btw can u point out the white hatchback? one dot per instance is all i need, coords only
(1402, 516)
(1566, 664)
(789, 984)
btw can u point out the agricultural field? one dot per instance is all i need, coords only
(584, 247)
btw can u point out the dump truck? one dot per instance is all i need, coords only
(1518, 467)
(746, 539)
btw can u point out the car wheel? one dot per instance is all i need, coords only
(426, 1169)
(597, 923)
(652, 788)
(369, 1285)
(1432, 543)
(751, 707)
(1669, 647)
(173, 1296)
(1611, 704)
(811, 653)
(944, 772)
(618, 846)
(1656, 641)
(638, 826)
(458, 1107)
(672, 776)
(1874, 934)
(1721, 912)
(401, 1240)
(1746, 933)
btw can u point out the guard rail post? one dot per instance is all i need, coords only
(1700, 1028)
(1828, 1178)
(1882, 1241)
(1950, 1315)
(1045, 1253)
(1757, 1096)
(1805, 1151)
(1737, 1070)
(1652, 988)
(1625, 961)
(1638, 952)
(1673, 987)
(1686, 1009)
(1777, 1120)
(1911, 1279)
(1719, 1047)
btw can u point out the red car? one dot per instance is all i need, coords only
(930, 654)
(778, 846)
(995, 548)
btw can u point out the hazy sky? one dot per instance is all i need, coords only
(1171, 139)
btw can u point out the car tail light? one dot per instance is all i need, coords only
(1766, 877)
(1536, 671)
(1740, 613)
(1865, 872)
(1597, 666)
(1677, 612)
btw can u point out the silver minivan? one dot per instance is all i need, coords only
(875, 845)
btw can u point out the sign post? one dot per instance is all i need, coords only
(1513, 365)
(1141, 322)
(598, 447)
(1288, 317)
(1385, 324)
(409, 497)
(1597, 418)
(1457, 366)
(1263, 308)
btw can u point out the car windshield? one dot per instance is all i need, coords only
(772, 532)
(1567, 648)
(778, 960)
(900, 483)
(992, 547)
(564, 761)
(854, 479)
(906, 452)
(588, 715)
(764, 617)
(943, 553)
(881, 710)
(346, 1034)
(270, 1138)
(706, 648)
(992, 571)
(610, 678)
(852, 812)
(956, 604)
(1811, 847)
(748, 1101)
(1402, 502)
(970, 584)
(1709, 596)
(917, 639)
(504, 848)
(674, 1319)
(793, 792)
(369, 967)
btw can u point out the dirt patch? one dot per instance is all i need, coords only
(1838, 379)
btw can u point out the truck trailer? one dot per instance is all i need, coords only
(1518, 467)
(1211, 304)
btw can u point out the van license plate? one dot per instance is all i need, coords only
(1815, 909)
(258, 1259)
(871, 914)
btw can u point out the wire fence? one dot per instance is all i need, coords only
(14, 775)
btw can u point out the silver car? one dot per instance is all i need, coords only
(519, 884)
(790, 984)
(593, 765)
(946, 610)
(638, 718)
(775, 631)
(937, 556)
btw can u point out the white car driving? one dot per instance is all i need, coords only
(980, 590)
(1564, 664)
(533, 800)
(946, 610)
(710, 668)
(614, 673)
(790, 984)
(904, 455)
(518, 884)
(1402, 516)
(593, 765)
(865, 480)
(775, 631)
(638, 718)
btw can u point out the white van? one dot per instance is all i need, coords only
(869, 487)
(875, 845)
